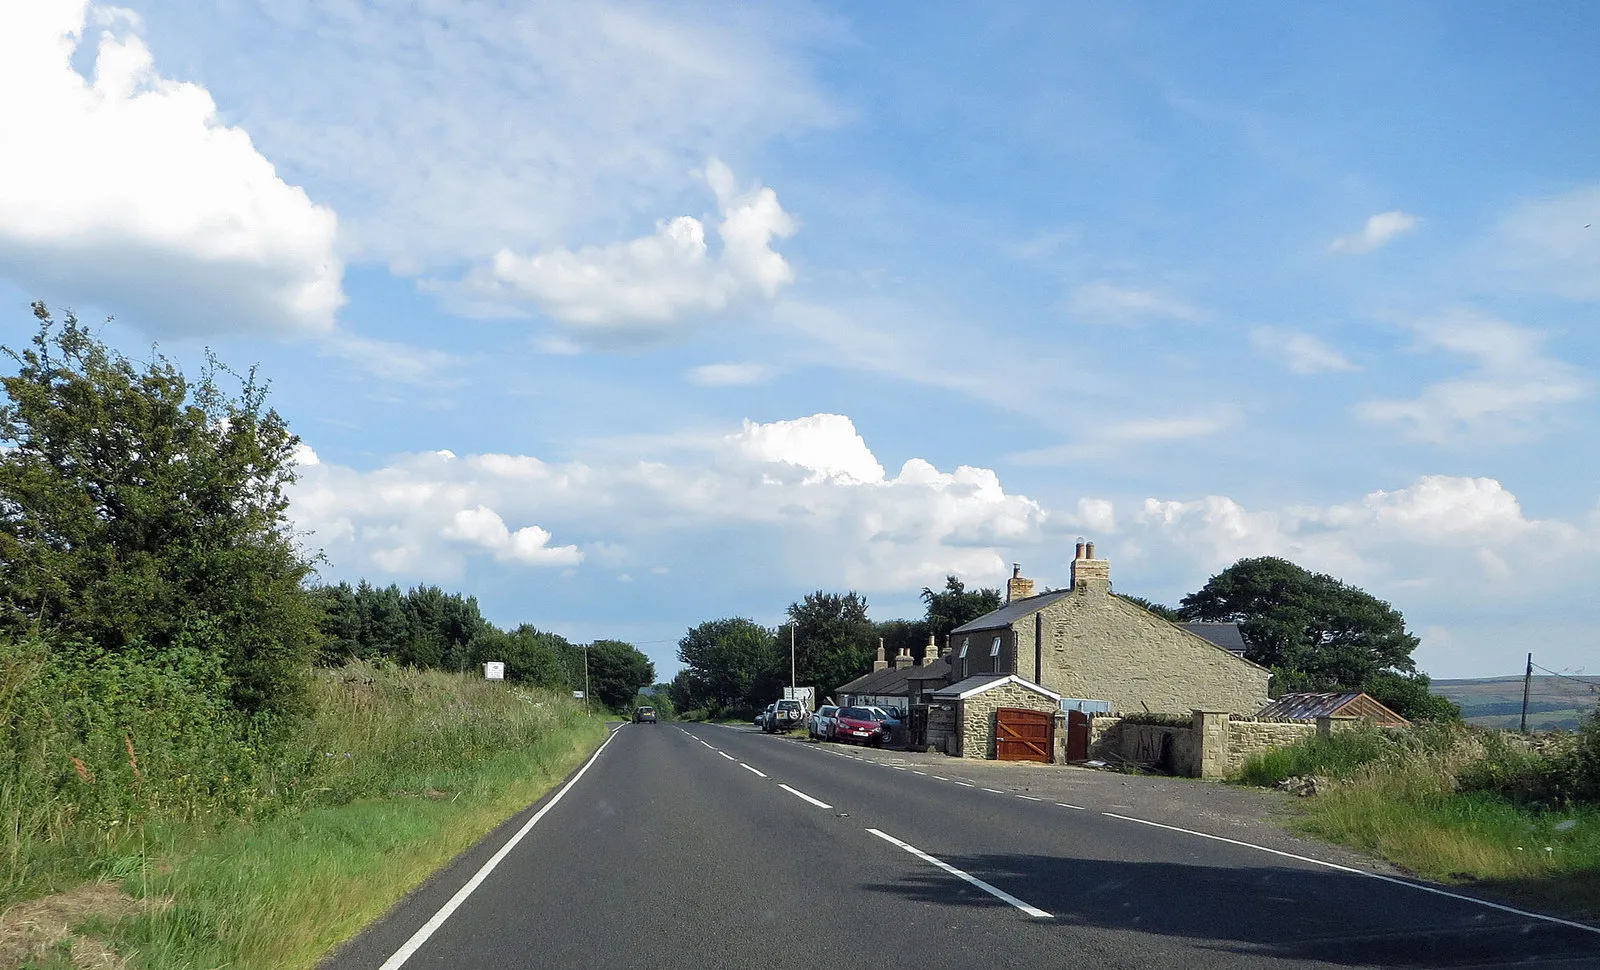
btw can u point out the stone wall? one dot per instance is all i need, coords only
(977, 715)
(1248, 738)
(1101, 646)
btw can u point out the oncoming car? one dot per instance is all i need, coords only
(643, 714)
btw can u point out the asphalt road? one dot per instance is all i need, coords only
(680, 847)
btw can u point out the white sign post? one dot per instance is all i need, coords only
(494, 670)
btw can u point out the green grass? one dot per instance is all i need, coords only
(254, 855)
(282, 892)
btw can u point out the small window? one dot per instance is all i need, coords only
(965, 641)
(994, 648)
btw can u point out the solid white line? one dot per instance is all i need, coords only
(1031, 798)
(750, 769)
(1369, 875)
(421, 936)
(994, 791)
(802, 795)
(727, 755)
(1076, 808)
(974, 880)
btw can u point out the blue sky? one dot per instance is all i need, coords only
(627, 316)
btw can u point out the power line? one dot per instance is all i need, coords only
(1593, 686)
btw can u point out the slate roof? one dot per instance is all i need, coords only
(890, 681)
(1324, 704)
(978, 683)
(1011, 612)
(933, 670)
(1224, 635)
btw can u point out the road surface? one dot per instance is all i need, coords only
(700, 846)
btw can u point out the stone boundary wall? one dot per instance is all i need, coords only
(1214, 745)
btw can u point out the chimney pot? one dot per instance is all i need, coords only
(1079, 553)
(1088, 550)
(881, 663)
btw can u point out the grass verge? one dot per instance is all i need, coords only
(282, 892)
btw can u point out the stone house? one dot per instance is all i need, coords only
(969, 719)
(1085, 643)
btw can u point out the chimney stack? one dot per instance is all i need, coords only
(902, 660)
(880, 663)
(1018, 588)
(931, 651)
(1089, 572)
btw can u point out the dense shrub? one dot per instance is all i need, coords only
(1558, 778)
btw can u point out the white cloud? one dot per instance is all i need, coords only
(129, 192)
(1105, 439)
(1506, 396)
(729, 375)
(393, 361)
(1301, 352)
(446, 132)
(1379, 231)
(1107, 301)
(807, 494)
(655, 281)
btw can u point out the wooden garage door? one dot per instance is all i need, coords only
(1022, 735)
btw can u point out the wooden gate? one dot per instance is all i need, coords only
(1077, 736)
(917, 728)
(1022, 735)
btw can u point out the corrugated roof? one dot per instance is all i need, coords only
(1011, 612)
(1225, 635)
(1329, 703)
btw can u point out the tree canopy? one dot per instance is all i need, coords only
(142, 512)
(835, 641)
(955, 605)
(1316, 632)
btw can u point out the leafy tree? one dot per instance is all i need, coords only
(139, 510)
(616, 672)
(956, 604)
(724, 660)
(1165, 612)
(835, 642)
(1409, 697)
(1314, 631)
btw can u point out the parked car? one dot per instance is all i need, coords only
(643, 714)
(889, 718)
(822, 722)
(761, 719)
(858, 725)
(783, 715)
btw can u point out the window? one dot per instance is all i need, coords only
(994, 648)
(964, 642)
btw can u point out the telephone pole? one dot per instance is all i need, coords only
(586, 680)
(792, 681)
(1527, 685)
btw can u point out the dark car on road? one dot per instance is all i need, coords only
(858, 724)
(643, 714)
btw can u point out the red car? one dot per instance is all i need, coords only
(858, 724)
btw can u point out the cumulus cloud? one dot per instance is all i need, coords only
(1507, 395)
(808, 493)
(1300, 352)
(729, 375)
(1379, 231)
(1108, 301)
(126, 190)
(653, 282)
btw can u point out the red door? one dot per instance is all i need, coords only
(1077, 736)
(1022, 735)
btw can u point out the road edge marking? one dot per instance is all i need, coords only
(421, 936)
(994, 891)
(804, 797)
(1370, 875)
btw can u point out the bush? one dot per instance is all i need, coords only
(1555, 779)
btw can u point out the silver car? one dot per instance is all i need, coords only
(822, 722)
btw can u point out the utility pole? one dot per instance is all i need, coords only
(1527, 685)
(792, 681)
(586, 680)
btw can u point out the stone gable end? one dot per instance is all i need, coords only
(978, 715)
(1095, 645)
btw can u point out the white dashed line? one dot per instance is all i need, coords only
(1370, 875)
(897, 767)
(916, 772)
(727, 755)
(966, 784)
(711, 746)
(750, 769)
(804, 797)
(1031, 798)
(1076, 808)
(994, 791)
(1000, 894)
(940, 777)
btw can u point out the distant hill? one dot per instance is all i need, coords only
(1554, 702)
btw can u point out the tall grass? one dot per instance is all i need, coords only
(123, 767)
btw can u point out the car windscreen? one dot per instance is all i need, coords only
(827, 710)
(857, 714)
(647, 710)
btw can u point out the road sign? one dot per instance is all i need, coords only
(494, 670)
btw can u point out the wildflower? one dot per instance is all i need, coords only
(83, 771)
